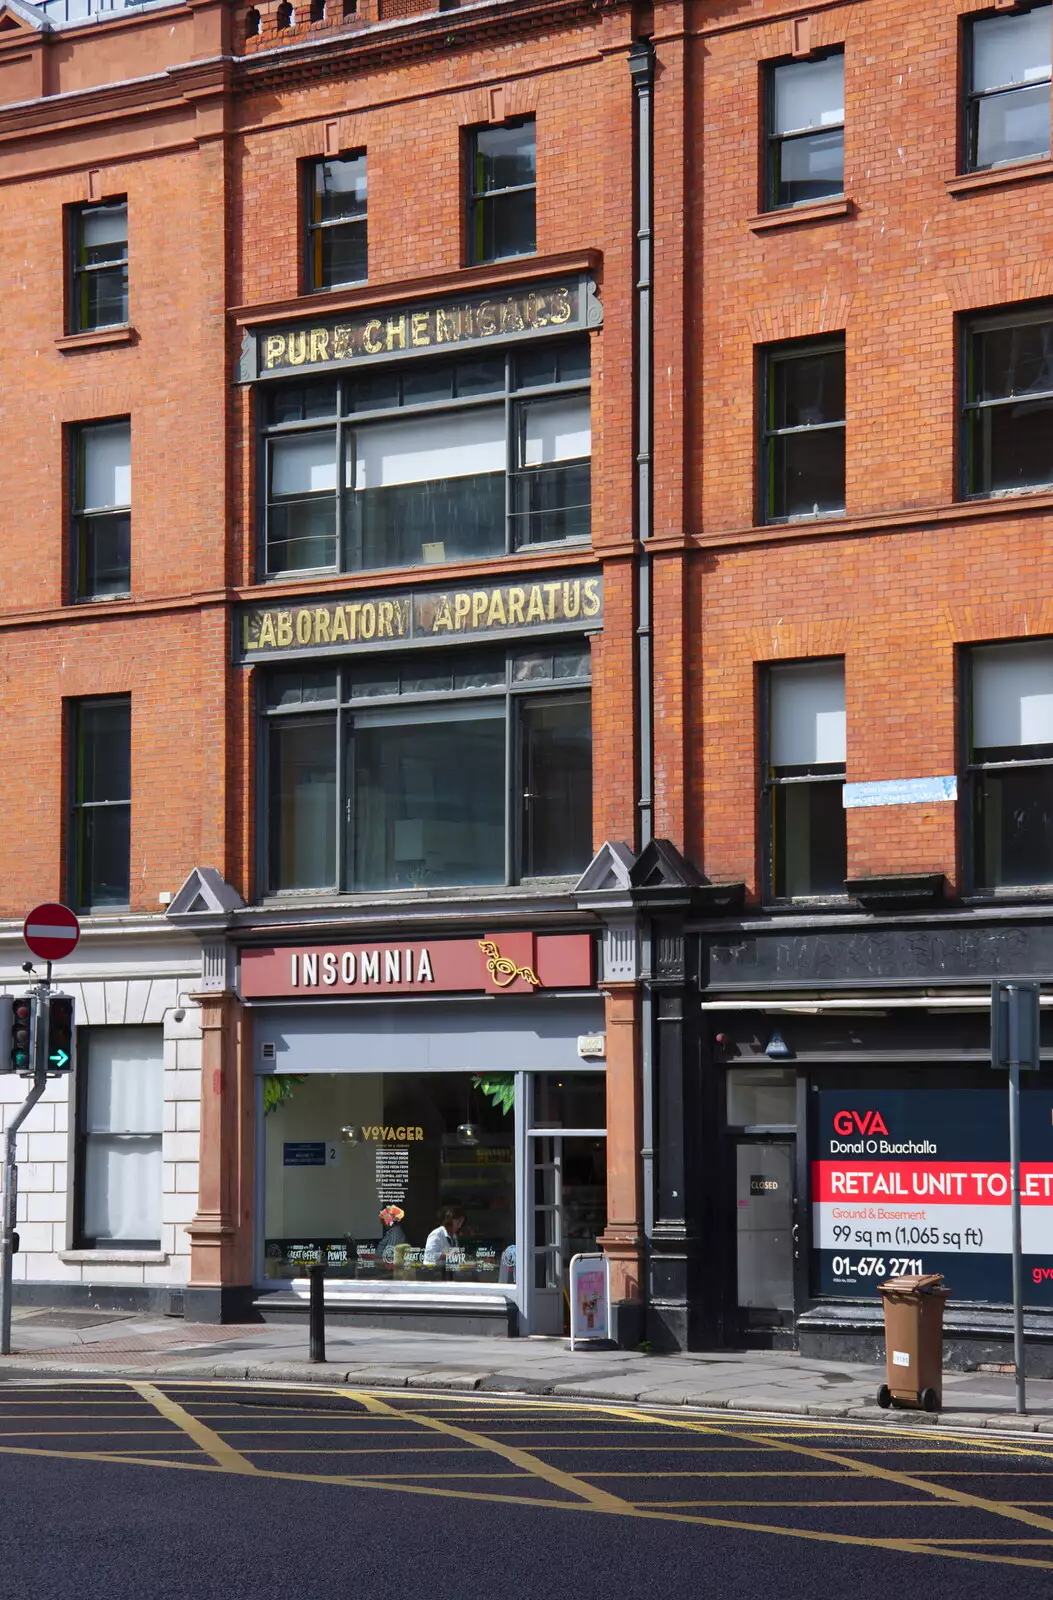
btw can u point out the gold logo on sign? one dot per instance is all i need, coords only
(502, 970)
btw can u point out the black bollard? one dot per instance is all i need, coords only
(317, 1311)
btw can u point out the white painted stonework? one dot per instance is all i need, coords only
(119, 979)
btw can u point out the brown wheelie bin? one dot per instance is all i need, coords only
(913, 1342)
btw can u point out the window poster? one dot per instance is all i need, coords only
(918, 1181)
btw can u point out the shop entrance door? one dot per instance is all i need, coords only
(567, 1214)
(764, 1232)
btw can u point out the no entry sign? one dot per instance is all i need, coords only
(51, 931)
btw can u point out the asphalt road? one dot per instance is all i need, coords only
(118, 1490)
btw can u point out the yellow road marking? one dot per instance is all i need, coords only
(866, 1469)
(617, 1508)
(519, 1458)
(222, 1453)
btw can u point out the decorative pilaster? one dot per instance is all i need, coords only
(220, 1233)
(622, 1239)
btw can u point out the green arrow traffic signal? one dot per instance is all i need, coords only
(59, 1059)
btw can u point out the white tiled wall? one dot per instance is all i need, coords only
(45, 1143)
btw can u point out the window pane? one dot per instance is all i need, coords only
(125, 1092)
(1011, 446)
(104, 233)
(504, 157)
(569, 1100)
(506, 225)
(429, 802)
(301, 529)
(1011, 127)
(107, 465)
(810, 167)
(808, 714)
(104, 556)
(122, 1190)
(808, 389)
(761, 1096)
(808, 94)
(302, 402)
(436, 482)
(342, 254)
(809, 844)
(303, 804)
(552, 501)
(1013, 49)
(1014, 827)
(557, 773)
(479, 377)
(555, 430)
(304, 464)
(104, 736)
(1013, 360)
(340, 188)
(808, 473)
(428, 382)
(104, 298)
(1012, 696)
(105, 853)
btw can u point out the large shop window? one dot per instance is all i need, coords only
(1008, 402)
(390, 1176)
(1011, 765)
(120, 1097)
(431, 770)
(804, 779)
(428, 462)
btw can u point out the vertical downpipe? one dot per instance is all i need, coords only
(641, 70)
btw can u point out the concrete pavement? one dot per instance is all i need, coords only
(97, 1343)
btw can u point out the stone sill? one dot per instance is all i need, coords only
(996, 177)
(97, 338)
(114, 1258)
(792, 216)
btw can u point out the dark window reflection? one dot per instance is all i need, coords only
(102, 803)
(809, 839)
(1009, 407)
(502, 195)
(806, 434)
(303, 803)
(557, 800)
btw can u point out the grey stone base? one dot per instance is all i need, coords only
(156, 1299)
(220, 1303)
(972, 1337)
(471, 1321)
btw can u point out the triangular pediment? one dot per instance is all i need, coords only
(608, 870)
(16, 17)
(205, 893)
(661, 866)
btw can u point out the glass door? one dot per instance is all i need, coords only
(566, 1189)
(764, 1240)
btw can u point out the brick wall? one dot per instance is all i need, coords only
(909, 575)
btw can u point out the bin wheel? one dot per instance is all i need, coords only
(884, 1397)
(930, 1400)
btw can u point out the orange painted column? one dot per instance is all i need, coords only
(622, 1239)
(221, 1231)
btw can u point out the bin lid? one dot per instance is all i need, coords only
(918, 1283)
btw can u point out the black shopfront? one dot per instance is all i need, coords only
(827, 1117)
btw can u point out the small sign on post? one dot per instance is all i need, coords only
(590, 1300)
(51, 931)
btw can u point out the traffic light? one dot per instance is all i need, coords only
(58, 1037)
(18, 1026)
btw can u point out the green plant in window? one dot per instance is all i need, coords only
(277, 1090)
(500, 1089)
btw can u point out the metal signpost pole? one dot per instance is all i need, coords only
(1015, 1044)
(10, 1222)
(1018, 1275)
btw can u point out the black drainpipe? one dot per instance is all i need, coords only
(641, 69)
